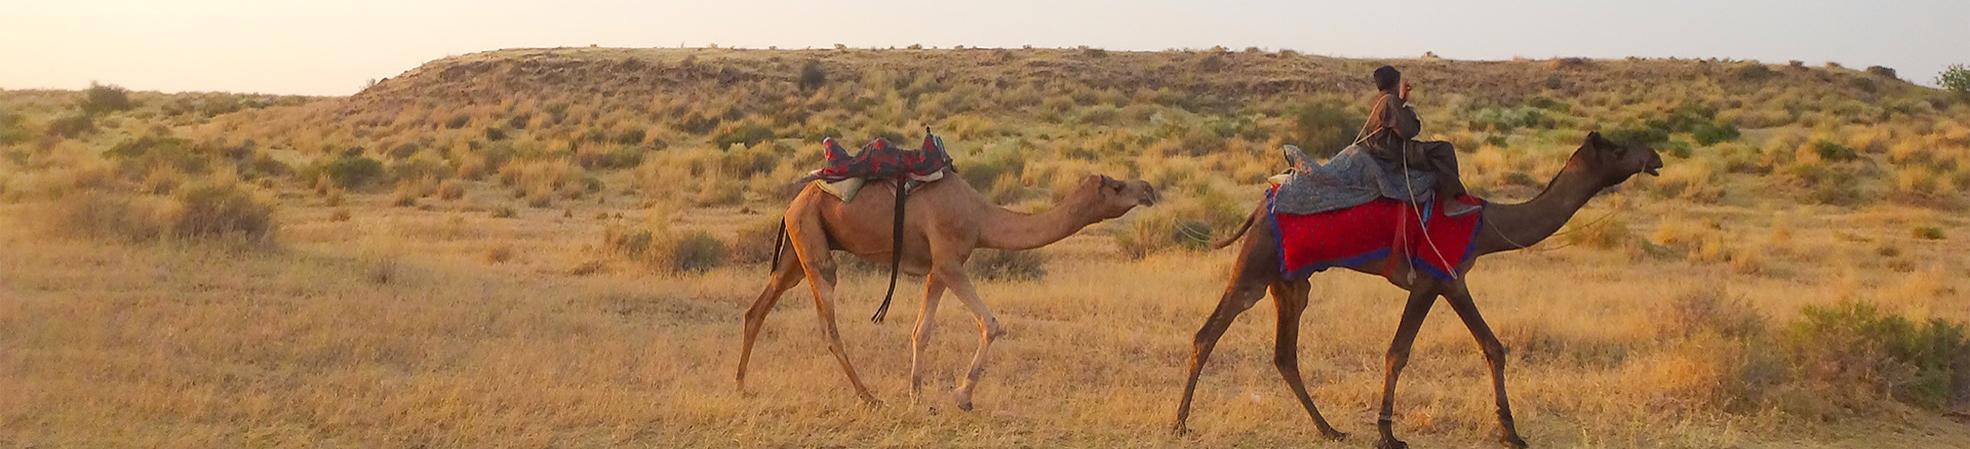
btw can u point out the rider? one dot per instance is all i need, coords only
(1390, 136)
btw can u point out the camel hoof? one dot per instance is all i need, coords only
(1333, 435)
(964, 405)
(1180, 430)
(1391, 443)
(1512, 441)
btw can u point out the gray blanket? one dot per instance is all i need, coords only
(1350, 179)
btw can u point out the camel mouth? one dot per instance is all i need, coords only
(1653, 171)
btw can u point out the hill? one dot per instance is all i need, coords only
(552, 248)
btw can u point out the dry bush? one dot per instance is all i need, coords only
(100, 215)
(451, 189)
(498, 253)
(755, 241)
(222, 210)
(664, 250)
(1693, 181)
(1610, 233)
(1190, 224)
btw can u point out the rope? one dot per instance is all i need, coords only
(1421, 222)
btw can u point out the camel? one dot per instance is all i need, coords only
(1596, 165)
(944, 221)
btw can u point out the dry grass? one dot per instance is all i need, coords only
(478, 322)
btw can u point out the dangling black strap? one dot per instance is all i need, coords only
(895, 249)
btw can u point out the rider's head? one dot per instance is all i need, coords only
(1387, 78)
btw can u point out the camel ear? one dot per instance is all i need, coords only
(1594, 139)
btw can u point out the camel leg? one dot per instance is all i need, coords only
(1494, 354)
(1239, 297)
(920, 339)
(1421, 297)
(1291, 297)
(785, 276)
(988, 330)
(811, 246)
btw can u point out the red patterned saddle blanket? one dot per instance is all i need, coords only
(880, 159)
(1435, 244)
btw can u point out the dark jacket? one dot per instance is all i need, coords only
(1392, 124)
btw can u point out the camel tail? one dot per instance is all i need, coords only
(779, 245)
(895, 251)
(1235, 235)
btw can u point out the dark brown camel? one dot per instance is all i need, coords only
(1597, 165)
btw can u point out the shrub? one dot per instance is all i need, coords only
(1883, 72)
(632, 136)
(352, 171)
(812, 75)
(91, 214)
(991, 264)
(1853, 349)
(755, 241)
(451, 189)
(104, 98)
(499, 253)
(1928, 232)
(1325, 128)
(222, 210)
(71, 125)
(747, 135)
(689, 252)
(1956, 78)
(1710, 310)
(1833, 151)
(1611, 233)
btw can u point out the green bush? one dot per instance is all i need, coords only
(352, 171)
(1833, 151)
(812, 76)
(747, 135)
(1508, 119)
(103, 98)
(11, 129)
(71, 125)
(1325, 128)
(1854, 346)
(1956, 78)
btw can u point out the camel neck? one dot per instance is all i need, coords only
(1515, 226)
(1010, 230)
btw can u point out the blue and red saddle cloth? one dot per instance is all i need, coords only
(1371, 231)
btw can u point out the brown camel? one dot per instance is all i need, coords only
(944, 221)
(1597, 165)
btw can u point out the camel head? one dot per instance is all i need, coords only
(1613, 163)
(1109, 197)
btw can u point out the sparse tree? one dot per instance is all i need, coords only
(1956, 78)
(101, 98)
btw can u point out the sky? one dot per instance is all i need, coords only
(333, 47)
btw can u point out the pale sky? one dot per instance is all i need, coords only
(332, 47)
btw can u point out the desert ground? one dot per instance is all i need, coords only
(554, 247)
